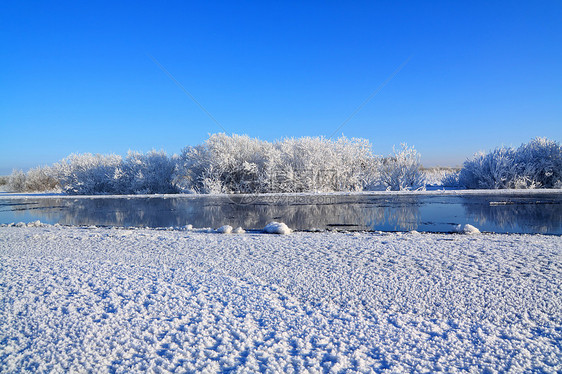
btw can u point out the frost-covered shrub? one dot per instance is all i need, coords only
(402, 170)
(451, 179)
(441, 176)
(240, 164)
(41, 179)
(223, 164)
(38, 179)
(88, 174)
(494, 170)
(152, 172)
(148, 173)
(537, 164)
(232, 164)
(16, 181)
(319, 164)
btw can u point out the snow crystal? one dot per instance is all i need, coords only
(277, 228)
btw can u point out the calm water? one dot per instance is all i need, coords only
(511, 213)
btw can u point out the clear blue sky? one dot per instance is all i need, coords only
(76, 76)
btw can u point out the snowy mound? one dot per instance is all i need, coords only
(35, 224)
(226, 229)
(467, 229)
(238, 230)
(277, 228)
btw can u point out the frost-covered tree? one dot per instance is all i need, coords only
(223, 164)
(148, 173)
(232, 164)
(88, 174)
(16, 181)
(441, 176)
(240, 164)
(402, 170)
(42, 179)
(451, 179)
(39, 179)
(494, 170)
(537, 164)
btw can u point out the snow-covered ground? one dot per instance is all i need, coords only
(116, 300)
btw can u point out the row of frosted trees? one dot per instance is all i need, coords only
(240, 164)
(232, 164)
(85, 174)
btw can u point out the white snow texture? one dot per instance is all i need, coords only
(120, 301)
(277, 228)
(226, 229)
(467, 229)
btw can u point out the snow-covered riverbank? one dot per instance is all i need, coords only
(126, 300)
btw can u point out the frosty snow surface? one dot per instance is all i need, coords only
(124, 300)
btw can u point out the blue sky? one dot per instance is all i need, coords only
(78, 77)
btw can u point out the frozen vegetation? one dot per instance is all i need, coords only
(442, 177)
(89, 174)
(4, 183)
(240, 164)
(114, 300)
(232, 164)
(537, 164)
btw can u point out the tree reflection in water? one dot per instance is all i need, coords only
(298, 212)
(530, 214)
(495, 213)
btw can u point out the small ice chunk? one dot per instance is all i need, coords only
(277, 228)
(467, 229)
(239, 230)
(226, 229)
(188, 227)
(20, 224)
(35, 224)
